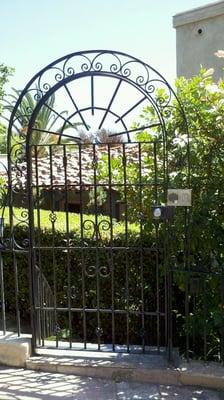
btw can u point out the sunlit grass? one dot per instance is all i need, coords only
(46, 219)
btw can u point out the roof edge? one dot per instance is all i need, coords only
(197, 14)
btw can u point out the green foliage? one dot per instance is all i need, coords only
(74, 221)
(126, 176)
(46, 123)
(100, 195)
(3, 139)
(82, 262)
(5, 73)
(203, 103)
(201, 289)
(100, 136)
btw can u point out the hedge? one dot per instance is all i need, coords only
(205, 303)
(82, 261)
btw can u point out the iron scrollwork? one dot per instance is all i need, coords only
(96, 229)
(69, 291)
(117, 65)
(92, 270)
(120, 68)
(52, 217)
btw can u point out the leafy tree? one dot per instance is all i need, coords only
(47, 121)
(101, 136)
(203, 103)
(3, 139)
(5, 73)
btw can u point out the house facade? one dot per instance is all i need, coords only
(79, 180)
(199, 35)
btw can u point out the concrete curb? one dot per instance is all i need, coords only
(115, 372)
(196, 373)
(14, 350)
(189, 374)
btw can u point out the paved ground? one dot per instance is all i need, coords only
(20, 384)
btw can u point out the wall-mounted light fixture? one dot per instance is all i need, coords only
(157, 212)
(160, 212)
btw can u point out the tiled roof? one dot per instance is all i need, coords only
(54, 170)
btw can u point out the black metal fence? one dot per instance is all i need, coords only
(99, 278)
(107, 277)
(197, 311)
(115, 269)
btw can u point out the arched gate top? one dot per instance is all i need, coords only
(141, 77)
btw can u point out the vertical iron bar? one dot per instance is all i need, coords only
(67, 245)
(155, 171)
(168, 289)
(36, 298)
(194, 347)
(53, 245)
(187, 315)
(222, 305)
(31, 255)
(205, 318)
(16, 293)
(141, 248)
(92, 94)
(2, 294)
(47, 316)
(166, 246)
(38, 294)
(126, 244)
(157, 289)
(187, 277)
(45, 311)
(157, 245)
(82, 246)
(11, 202)
(111, 246)
(188, 216)
(97, 244)
(170, 325)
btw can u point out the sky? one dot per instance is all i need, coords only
(36, 32)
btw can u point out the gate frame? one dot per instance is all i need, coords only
(43, 91)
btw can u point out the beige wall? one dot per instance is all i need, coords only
(199, 34)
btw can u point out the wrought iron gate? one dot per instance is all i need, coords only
(95, 181)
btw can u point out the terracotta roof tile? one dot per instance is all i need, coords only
(73, 165)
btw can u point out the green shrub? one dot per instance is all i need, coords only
(113, 266)
(197, 286)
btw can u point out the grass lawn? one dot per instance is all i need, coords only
(74, 222)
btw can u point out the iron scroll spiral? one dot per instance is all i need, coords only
(90, 63)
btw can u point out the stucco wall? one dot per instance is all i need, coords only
(199, 34)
